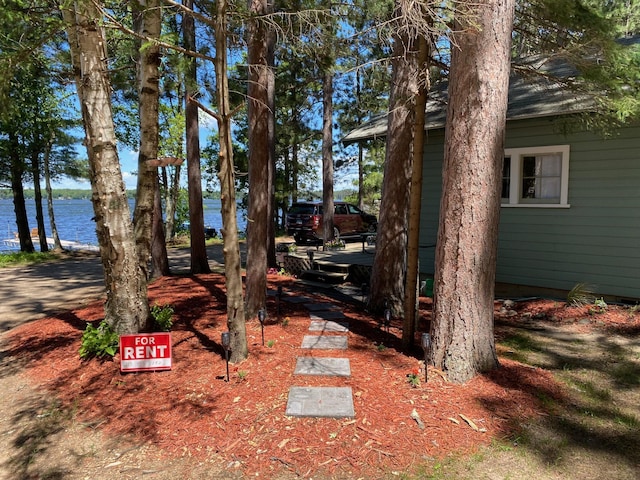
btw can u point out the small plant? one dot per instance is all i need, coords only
(600, 306)
(580, 295)
(381, 347)
(413, 378)
(98, 341)
(271, 343)
(242, 374)
(276, 271)
(162, 316)
(285, 321)
(335, 244)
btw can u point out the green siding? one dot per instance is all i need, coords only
(595, 241)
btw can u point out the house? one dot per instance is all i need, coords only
(570, 198)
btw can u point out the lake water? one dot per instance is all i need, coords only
(73, 219)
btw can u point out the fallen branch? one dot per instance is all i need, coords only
(469, 422)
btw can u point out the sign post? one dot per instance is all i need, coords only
(144, 352)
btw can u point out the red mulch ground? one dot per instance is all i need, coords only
(191, 410)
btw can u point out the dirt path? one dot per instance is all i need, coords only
(35, 434)
(31, 291)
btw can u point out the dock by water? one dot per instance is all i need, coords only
(14, 244)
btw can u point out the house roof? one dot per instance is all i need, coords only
(532, 94)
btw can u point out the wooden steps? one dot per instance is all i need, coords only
(327, 272)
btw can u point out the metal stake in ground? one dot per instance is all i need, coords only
(426, 345)
(278, 299)
(387, 320)
(262, 314)
(226, 343)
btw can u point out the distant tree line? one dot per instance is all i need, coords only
(78, 193)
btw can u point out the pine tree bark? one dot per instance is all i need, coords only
(259, 159)
(328, 232)
(57, 244)
(413, 237)
(19, 206)
(37, 189)
(126, 307)
(147, 21)
(171, 183)
(199, 260)
(231, 248)
(390, 262)
(462, 330)
(159, 258)
(272, 261)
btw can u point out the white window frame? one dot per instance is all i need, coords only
(515, 179)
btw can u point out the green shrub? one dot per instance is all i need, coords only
(580, 295)
(98, 341)
(162, 316)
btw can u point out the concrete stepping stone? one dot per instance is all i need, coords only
(322, 342)
(328, 326)
(327, 315)
(335, 367)
(321, 307)
(327, 402)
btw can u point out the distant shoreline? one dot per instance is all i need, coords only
(78, 194)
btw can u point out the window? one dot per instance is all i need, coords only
(537, 176)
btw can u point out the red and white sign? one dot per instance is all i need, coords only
(145, 352)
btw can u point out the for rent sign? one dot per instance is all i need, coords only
(145, 352)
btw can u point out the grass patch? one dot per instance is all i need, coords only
(519, 341)
(590, 390)
(627, 374)
(23, 258)
(626, 420)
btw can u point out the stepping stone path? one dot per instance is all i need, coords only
(328, 326)
(328, 402)
(338, 367)
(321, 342)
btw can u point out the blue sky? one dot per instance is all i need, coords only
(128, 165)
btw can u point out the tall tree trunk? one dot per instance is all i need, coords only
(199, 261)
(271, 105)
(361, 176)
(147, 21)
(259, 160)
(126, 307)
(389, 266)
(159, 257)
(37, 189)
(232, 266)
(413, 241)
(19, 206)
(360, 147)
(328, 232)
(171, 184)
(57, 245)
(294, 169)
(462, 330)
